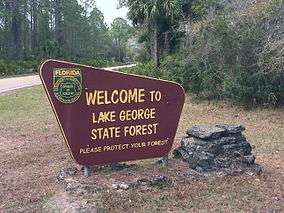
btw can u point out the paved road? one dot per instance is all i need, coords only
(9, 84)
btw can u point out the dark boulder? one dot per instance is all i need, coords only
(220, 147)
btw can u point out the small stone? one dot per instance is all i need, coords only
(64, 173)
(114, 185)
(205, 132)
(117, 186)
(75, 187)
(124, 186)
(119, 166)
(143, 182)
(160, 181)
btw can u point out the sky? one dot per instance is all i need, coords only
(110, 11)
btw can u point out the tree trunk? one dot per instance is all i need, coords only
(58, 24)
(7, 30)
(167, 43)
(16, 31)
(34, 25)
(156, 46)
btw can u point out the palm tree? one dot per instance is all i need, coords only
(152, 14)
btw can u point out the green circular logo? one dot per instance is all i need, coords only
(67, 89)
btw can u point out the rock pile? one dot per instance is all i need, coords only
(218, 148)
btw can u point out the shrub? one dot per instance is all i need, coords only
(147, 69)
(97, 62)
(13, 67)
(19, 67)
(238, 54)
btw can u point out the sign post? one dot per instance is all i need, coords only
(107, 116)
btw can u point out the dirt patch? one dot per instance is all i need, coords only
(27, 172)
(239, 193)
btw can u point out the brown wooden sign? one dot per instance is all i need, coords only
(107, 116)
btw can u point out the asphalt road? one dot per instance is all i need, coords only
(9, 84)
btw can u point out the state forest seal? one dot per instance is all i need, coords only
(67, 84)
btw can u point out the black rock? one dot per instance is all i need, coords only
(249, 160)
(183, 153)
(254, 169)
(204, 160)
(219, 148)
(242, 148)
(186, 141)
(205, 132)
(228, 140)
(231, 129)
(222, 162)
(238, 169)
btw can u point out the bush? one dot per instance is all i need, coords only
(20, 67)
(235, 55)
(147, 69)
(238, 54)
(11, 67)
(97, 62)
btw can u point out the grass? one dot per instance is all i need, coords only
(32, 152)
(21, 108)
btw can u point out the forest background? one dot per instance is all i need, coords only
(217, 49)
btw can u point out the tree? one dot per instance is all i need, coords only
(99, 39)
(58, 22)
(69, 29)
(15, 21)
(34, 23)
(120, 32)
(156, 16)
(87, 5)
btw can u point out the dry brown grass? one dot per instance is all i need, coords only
(32, 153)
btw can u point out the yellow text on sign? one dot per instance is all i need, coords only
(126, 131)
(124, 115)
(103, 97)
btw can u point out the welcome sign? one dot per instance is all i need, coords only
(107, 116)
